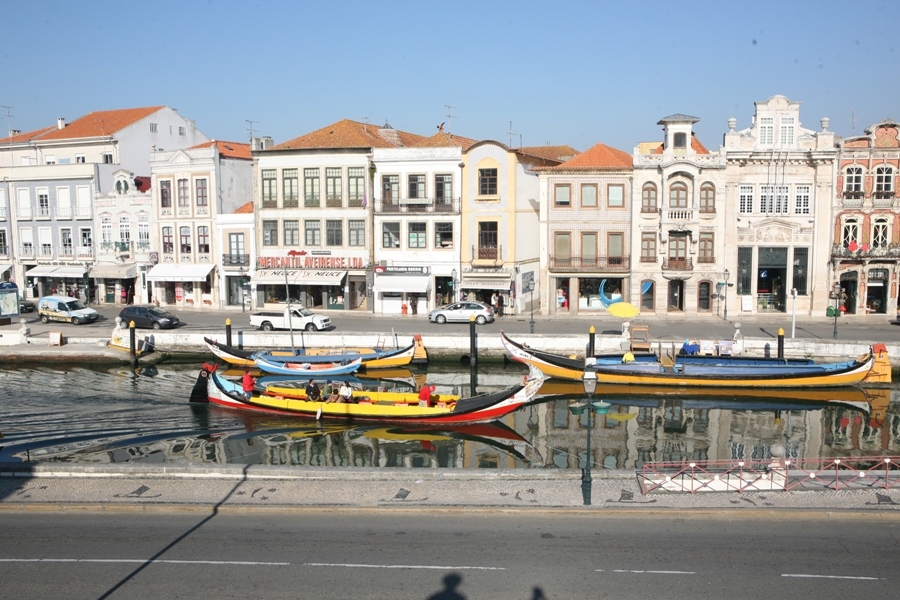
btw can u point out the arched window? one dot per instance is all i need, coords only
(678, 195)
(704, 296)
(880, 233)
(648, 198)
(853, 181)
(884, 180)
(648, 295)
(707, 198)
(850, 234)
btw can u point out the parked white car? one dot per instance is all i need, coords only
(301, 318)
(462, 312)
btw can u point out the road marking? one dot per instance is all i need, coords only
(804, 575)
(652, 572)
(137, 560)
(362, 566)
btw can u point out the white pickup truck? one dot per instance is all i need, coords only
(301, 318)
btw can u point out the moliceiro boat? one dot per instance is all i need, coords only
(372, 358)
(709, 371)
(308, 369)
(213, 388)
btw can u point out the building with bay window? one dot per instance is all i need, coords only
(678, 241)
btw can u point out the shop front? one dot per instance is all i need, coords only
(112, 279)
(65, 280)
(312, 288)
(403, 290)
(877, 291)
(185, 285)
(482, 286)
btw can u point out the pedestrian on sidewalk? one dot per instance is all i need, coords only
(414, 304)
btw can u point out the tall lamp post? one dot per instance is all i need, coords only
(454, 293)
(725, 312)
(589, 380)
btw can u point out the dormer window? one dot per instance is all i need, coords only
(766, 131)
(680, 141)
(787, 131)
(122, 186)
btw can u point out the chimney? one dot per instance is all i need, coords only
(61, 123)
(267, 142)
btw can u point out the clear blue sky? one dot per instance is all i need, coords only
(572, 73)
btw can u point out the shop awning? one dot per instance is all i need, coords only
(41, 271)
(4, 267)
(472, 283)
(297, 277)
(114, 271)
(402, 283)
(169, 272)
(69, 272)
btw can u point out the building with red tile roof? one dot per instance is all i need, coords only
(585, 204)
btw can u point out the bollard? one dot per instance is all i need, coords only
(473, 342)
(781, 343)
(228, 331)
(591, 335)
(133, 344)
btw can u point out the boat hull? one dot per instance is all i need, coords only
(372, 358)
(477, 409)
(307, 370)
(871, 368)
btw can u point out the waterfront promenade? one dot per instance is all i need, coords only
(53, 486)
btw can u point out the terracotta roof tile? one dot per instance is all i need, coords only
(349, 134)
(28, 135)
(554, 153)
(244, 209)
(442, 139)
(100, 123)
(228, 149)
(142, 183)
(598, 157)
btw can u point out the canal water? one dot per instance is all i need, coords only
(109, 415)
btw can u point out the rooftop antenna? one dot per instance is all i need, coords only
(366, 124)
(8, 121)
(250, 129)
(449, 116)
(852, 122)
(511, 134)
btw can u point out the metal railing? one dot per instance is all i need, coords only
(774, 474)
(838, 251)
(592, 263)
(428, 205)
(678, 264)
(235, 260)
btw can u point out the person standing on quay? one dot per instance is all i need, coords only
(414, 304)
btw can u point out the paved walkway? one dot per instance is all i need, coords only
(44, 486)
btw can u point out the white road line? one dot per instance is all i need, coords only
(804, 575)
(653, 572)
(361, 566)
(137, 560)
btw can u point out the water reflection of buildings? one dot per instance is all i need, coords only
(687, 426)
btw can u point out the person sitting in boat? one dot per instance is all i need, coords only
(313, 393)
(331, 392)
(345, 393)
(426, 394)
(248, 384)
(628, 357)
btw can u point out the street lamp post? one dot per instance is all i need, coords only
(725, 311)
(589, 380)
(454, 293)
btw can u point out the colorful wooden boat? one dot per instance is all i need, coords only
(873, 367)
(307, 370)
(481, 408)
(371, 358)
(299, 393)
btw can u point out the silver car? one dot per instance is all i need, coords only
(462, 312)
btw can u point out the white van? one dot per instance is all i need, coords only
(63, 308)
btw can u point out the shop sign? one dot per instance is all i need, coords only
(302, 260)
(419, 270)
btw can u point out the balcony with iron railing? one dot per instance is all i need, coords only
(84, 212)
(865, 252)
(334, 201)
(26, 251)
(491, 253)
(590, 263)
(64, 212)
(312, 201)
(45, 251)
(66, 251)
(235, 260)
(355, 201)
(418, 205)
(677, 264)
(854, 194)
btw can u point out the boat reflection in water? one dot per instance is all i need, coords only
(651, 423)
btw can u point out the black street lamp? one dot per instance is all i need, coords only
(589, 380)
(454, 293)
(725, 313)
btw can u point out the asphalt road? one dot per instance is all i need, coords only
(663, 327)
(410, 555)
